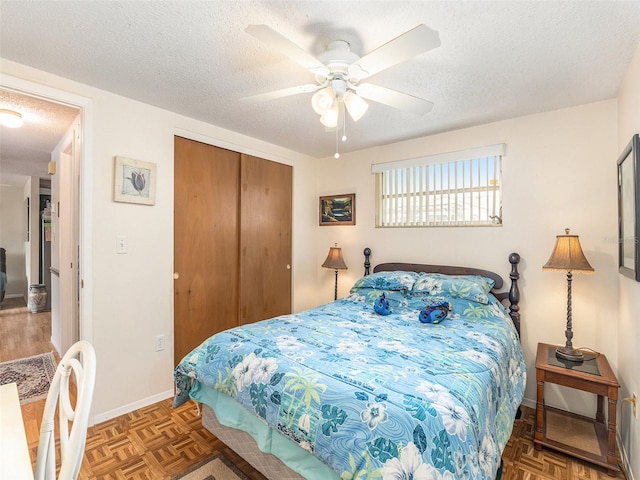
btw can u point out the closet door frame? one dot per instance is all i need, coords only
(198, 297)
(266, 209)
(206, 229)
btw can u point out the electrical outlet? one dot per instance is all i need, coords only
(159, 343)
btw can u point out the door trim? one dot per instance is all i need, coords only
(85, 105)
(216, 142)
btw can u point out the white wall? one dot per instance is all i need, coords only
(13, 232)
(31, 192)
(305, 223)
(130, 296)
(557, 173)
(629, 300)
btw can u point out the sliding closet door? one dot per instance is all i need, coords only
(265, 239)
(206, 233)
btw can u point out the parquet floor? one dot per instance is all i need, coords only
(158, 442)
(153, 443)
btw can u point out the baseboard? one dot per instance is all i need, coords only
(56, 346)
(103, 417)
(527, 402)
(624, 456)
(14, 295)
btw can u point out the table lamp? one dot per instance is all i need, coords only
(567, 256)
(335, 261)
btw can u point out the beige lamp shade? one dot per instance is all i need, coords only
(567, 255)
(334, 259)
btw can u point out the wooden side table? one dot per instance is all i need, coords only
(589, 439)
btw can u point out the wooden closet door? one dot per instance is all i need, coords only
(265, 239)
(206, 229)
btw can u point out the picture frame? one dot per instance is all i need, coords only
(628, 210)
(338, 209)
(134, 181)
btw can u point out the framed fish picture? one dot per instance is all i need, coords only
(134, 181)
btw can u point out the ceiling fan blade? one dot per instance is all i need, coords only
(285, 92)
(393, 98)
(276, 41)
(414, 42)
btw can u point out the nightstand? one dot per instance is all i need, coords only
(590, 439)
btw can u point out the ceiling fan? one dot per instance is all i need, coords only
(339, 73)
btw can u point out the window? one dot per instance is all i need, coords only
(452, 189)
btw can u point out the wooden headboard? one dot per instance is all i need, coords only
(512, 296)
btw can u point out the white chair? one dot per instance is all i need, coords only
(81, 360)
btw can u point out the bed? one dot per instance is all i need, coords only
(342, 392)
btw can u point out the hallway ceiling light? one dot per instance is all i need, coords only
(11, 118)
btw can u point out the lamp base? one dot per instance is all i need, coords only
(569, 353)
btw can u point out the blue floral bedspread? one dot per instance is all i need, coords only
(376, 396)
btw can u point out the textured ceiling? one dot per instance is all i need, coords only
(497, 59)
(25, 151)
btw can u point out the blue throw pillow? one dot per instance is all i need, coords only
(434, 312)
(381, 306)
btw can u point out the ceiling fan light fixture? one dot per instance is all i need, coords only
(339, 87)
(339, 73)
(330, 118)
(11, 118)
(356, 106)
(322, 100)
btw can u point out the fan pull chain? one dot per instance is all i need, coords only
(344, 126)
(341, 115)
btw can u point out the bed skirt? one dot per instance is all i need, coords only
(244, 445)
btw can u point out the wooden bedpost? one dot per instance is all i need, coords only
(514, 291)
(367, 262)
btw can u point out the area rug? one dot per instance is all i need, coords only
(33, 376)
(217, 467)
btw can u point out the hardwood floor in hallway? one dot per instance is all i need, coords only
(23, 334)
(158, 442)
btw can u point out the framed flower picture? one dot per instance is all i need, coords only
(134, 181)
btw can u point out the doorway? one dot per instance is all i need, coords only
(68, 157)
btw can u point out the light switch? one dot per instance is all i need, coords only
(121, 244)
